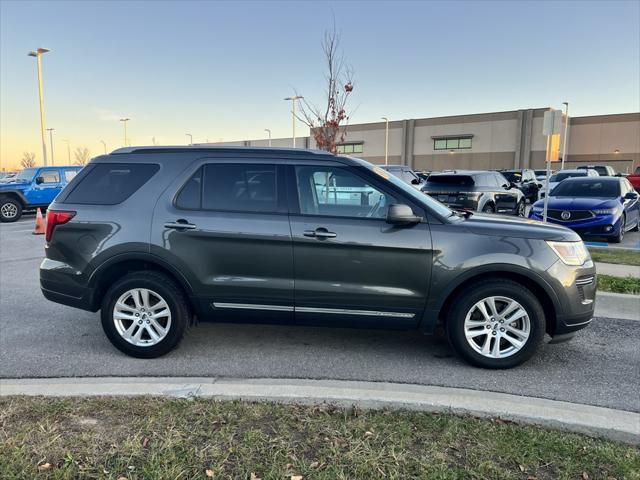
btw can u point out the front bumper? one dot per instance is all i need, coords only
(576, 290)
(598, 226)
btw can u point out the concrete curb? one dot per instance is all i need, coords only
(617, 270)
(594, 421)
(617, 305)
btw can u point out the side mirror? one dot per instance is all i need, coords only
(631, 196)
(507, 185)
(39, 180)
(401, 215)
(539, 185)
(415, 181)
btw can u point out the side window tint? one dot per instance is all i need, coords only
(190, 196)
(50, 176)
(111, 183)
(239, 187)
(338, 192)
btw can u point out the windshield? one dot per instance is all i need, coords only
(420, 197)
(512, 176)
(25, 175)
(558, 177)
(587, 188)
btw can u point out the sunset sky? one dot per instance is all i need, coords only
(220, 70)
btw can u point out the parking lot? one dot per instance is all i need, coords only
(42, 339)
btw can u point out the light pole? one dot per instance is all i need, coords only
(190, 138)
(124, 122)
(293, 115)
(38, 54)
(566, 130)
(269, 132)
(50, 130)
(68, 150)
(104, 144)
(386, 140)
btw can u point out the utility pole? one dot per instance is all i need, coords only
(50, 130)
(68, 150)
(566, 131)
(104, 144)
(386, 140)
(190, 138)
(124, 122)
(293, 115)
(269, 132)
(38, 54)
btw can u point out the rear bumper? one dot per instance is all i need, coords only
(60, 284)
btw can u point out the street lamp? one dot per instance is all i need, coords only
(293, 115)
(386, 140)
(269, 132)
(104, 144)
(124, 122)
(38, 54)
(564, 141)
(190, 138)
(68, 150)
(50, 130)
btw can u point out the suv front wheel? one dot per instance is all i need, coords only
(145, 314)
(496, 324)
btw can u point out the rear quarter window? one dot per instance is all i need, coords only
(110, 183)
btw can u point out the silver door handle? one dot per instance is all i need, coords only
(180, 225)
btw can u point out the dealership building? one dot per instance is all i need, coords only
(512, 139)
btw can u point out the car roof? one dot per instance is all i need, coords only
(572, 170)
(464, 172)
(592, 179)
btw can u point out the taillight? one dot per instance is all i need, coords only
(55, 218)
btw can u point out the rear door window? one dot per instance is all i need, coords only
(69, 174)
(111, 183)
(240, 187)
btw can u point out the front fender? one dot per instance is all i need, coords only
(16, 193)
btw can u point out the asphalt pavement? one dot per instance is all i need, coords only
(600, 367)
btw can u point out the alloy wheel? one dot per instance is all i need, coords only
(9, 210)
(497, 327)
(142, 317)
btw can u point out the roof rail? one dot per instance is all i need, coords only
(215, 148)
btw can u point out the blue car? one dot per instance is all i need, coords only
(593, 207)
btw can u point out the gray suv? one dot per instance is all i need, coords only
(157, 237)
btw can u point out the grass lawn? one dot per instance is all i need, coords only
(609, 283)
(610, 255)
(152, 438)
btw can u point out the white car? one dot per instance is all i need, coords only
(559, 176)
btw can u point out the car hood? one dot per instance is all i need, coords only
(573, 203)
(503, 226)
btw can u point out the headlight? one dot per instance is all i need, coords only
(537, 209)
(605, 211)
(571, 253)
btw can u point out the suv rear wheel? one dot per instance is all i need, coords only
(10, 209)
(145, 314)
(496, 324)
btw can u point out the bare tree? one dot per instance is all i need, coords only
(81, 155)
(328, 122)
(28, 160)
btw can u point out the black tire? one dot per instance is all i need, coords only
(8, 203)
(521, 208)
(620, 236)
(169, 291)
(489, 208)
(474, 293)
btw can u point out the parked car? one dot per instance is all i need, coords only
(603, 170)
(32, 188)
(481, 191)
(558, 177)
(634, 179)
(593, 206)
(525, 180)
(423, 174)
(542, 174)
(155, 237)
(405, 174)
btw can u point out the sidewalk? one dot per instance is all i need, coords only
(595, 421)
(618, 270)
(617, 305)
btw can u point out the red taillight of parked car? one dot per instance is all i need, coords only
(55, 218)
